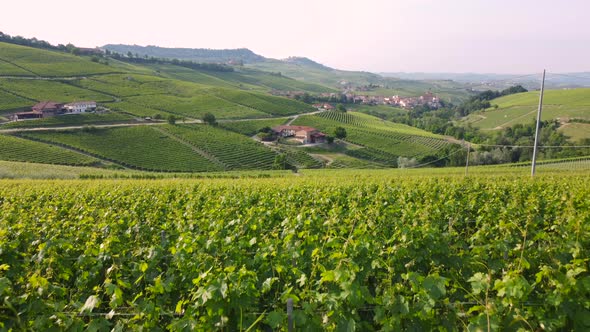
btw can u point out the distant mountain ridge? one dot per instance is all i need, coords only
(193, 54)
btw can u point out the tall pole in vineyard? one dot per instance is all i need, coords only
(536, 148)
(467, 159)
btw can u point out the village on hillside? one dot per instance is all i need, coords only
(427, 99)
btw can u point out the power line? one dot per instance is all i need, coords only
(572, 76)
(531, 146)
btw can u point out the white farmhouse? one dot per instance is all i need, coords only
(79, 107)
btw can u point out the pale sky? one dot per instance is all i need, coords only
(484, 36)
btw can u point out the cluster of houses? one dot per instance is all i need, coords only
(324, 106)
(46, 109)
(427, 98)
(303, 134)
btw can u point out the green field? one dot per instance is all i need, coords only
(521, 108)
(576, 131)
(362, 250)
(9, 102)
(380, 137)
(50, 90)
(71, 120)
(139, 147)
(18, 149)
(36, 62)
(251, 127)
(233, 150)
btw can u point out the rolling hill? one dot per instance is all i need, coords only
(566, 106)
(310, 75)
(120, 137)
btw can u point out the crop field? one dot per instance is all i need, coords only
(264, 103)
(233, 150)
(521, 108)
(393, 139)
(139, 147)
(18, 149)
(71, 120)
(50, 90)
(129, 85)
(197, 106)
(251, 127)
(364, 251)
(9, 101)
(8, 69)
(49, 63)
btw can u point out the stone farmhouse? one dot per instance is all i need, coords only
(303, 134)
(46, 109)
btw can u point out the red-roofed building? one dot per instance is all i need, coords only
(303, 134)
(48, 108)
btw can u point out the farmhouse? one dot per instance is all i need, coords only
(303, 134)
(27, 115)
(79, 107)
(47, 108)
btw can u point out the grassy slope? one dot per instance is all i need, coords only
(235, 151)
(72, 119)
(251, 127)
(36, 62)
(137, 147)
(381, 137)
(576, 131)
(19, 149)
(522, 108)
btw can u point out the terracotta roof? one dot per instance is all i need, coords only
(295, 128)
(47, 105)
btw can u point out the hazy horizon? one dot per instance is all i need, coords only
(418, 36)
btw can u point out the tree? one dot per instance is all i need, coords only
(280, 162)
(341, 108)
(209, 119)
(330, 139)
(340, 133)
(171, 119)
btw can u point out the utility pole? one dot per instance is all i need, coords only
(536, 148)
(467, 160)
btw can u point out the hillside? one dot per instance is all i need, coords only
(137, 97)
(561, 105)
(308, 74)
(193, 54)
(376, 140)
(16, 60)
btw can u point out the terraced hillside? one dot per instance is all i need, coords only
(382, 140)
(563, 105)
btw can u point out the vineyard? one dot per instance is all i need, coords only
(71, 119)
(50, 90)
(9, 101)
(355, 251)
(250, 128)
(140, 147)
(232, 150)
(18, 149)
(36, 62)
(380, 137)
